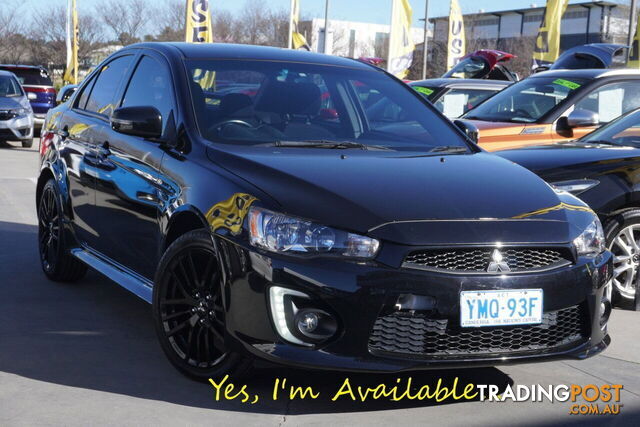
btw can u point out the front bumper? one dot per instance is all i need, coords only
(17, 128)
(359, 295)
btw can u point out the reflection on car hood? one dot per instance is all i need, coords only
(366, 191)
(10, 103)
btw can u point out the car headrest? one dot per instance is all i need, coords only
(290, 98)
(236, 105)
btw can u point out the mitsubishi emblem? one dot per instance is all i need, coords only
(497, 264)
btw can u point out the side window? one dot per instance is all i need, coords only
(150, 86)
(611, 100)
(104, 90)
(84, 95)
(456, 102)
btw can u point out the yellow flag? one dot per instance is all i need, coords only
(297, 40)
(71, 70)
(401, 45)
(634, 54)
(199, 28)
(456, 42)
(547, 46)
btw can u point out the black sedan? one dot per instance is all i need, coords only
(603, 169)
(454, 97)
(212, 182)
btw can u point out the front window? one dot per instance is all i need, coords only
(247, 102)
(9, 87)
(456, 102)
(526, 101)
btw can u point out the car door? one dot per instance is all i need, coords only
(82, 133)
(609, 101)
(129, 193)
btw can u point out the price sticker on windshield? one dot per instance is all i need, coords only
(566, 83)
(423, 90)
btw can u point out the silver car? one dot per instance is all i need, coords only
(16, 115)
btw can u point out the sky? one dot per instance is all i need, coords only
(374, 11)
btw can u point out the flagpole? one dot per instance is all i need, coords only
(289, 40)
(425, 51)
(390, 32)
(632, 16)
(326, 25)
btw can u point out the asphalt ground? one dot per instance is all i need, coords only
(86, 354)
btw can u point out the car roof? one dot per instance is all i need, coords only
(588, 73)
(452, 82)
(239, 51)
(6, 73)
(23, 67)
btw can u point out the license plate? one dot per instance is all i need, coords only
(500, 308)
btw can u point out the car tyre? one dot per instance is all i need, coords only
(188, 310)
(27, 143)
(622, 233)
(56, 259)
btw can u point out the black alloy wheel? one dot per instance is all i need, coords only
(188, 309)
(55, 256)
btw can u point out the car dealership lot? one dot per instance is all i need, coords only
(87, 353)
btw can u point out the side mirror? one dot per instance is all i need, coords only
(582, 118)
(468, 129)
(145, 122)
(31, 96)
(65, 93)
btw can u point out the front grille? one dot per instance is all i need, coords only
(423, 336)
(477, 260)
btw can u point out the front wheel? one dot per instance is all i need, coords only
(622, 233)
(188, 310)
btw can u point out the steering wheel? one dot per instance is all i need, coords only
(218, 126)
(523, 112)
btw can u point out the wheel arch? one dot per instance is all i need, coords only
(186, 219)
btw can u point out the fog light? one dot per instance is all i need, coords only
(315, 324)
(605, 312)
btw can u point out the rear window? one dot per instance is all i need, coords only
(31, 76)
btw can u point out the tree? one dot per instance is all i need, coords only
(172, 21)
(125, 18)
(11, 32)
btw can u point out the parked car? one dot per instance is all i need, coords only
(454, 97)
(603, 169)
(35, 80)
(257, 227)
(555, 106)
(483, 64)
(592, 55)
(16, 117)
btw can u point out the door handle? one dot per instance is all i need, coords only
(104, 150)
(63, 134)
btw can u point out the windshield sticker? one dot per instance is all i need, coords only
(566, 83)
(424, 90)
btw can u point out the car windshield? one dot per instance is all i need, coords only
(623, 131)
(9, 86)
(427, 92)
(526, 101)
(250, 102)
(32, 76)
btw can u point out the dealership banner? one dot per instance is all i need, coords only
(456, 42)
(547, 47)
(198, 28)
(634, 53)
(71, 70)
(297, 40)
(401, 45)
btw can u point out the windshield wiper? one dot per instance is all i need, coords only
(321, 143)
(449, 149)
(601, 141)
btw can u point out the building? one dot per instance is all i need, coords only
(586, 22)
(351, 39)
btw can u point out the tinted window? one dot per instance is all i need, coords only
(612, 100)
(150, 86)
(9, 86)
(526, 101)
(32, 76)
(623, 131)
(104, 90)
(456, 102)
(84, 95)
(262, 102)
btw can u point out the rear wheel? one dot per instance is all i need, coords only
(55, 256)
(188, 310)
(27, 143)
(623, 239)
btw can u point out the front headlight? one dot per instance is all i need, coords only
(21, 111)
(280, 233)
(575, 186)
(591, 241)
